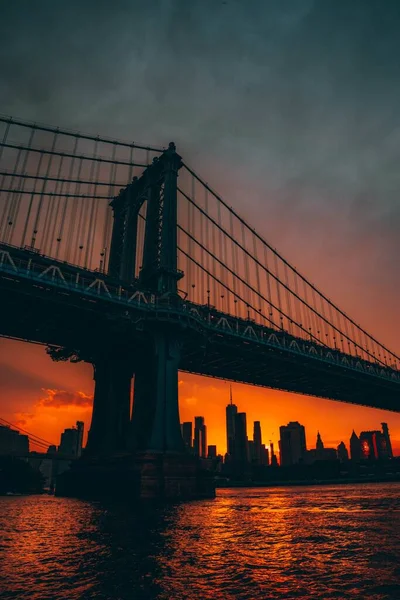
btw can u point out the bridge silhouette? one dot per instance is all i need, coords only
(120, 255)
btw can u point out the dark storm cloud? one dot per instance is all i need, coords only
(292, 105)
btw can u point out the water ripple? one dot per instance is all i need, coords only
(306, 542)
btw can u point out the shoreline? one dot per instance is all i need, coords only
(301, 483)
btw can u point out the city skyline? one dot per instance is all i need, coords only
(51, 410)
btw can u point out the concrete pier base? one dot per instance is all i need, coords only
(159, 477)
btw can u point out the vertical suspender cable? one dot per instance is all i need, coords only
(41, 194)
(71, 225)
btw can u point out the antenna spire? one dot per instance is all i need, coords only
(230, 393)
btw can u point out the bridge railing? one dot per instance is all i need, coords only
(205, 317)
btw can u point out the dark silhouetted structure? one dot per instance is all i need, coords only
(274, 460)
(241, 449)
(200, 437)
(231, 412)
(257, 439)
(385, 431)
(292, 444)
(118, 277)
(212, 451)
(342, 452)
(187, 434)
(374, 445)
(264, 456)
(12, 441)
(71, 441)
(355, 447)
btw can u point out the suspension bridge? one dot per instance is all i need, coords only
(119, 254)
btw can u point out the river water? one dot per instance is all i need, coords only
(300, 542)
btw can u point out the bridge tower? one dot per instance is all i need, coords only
(150, 443)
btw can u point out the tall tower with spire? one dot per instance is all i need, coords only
(231, 411)
(319, 447)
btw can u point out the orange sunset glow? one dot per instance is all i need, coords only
(44, 397)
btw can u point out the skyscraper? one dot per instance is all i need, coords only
(12, 441)
(200, 437)
(187, 434)
(264, 455)
(375, 445)
(292, 443)
(342, 453)
(385, 432)
(319, 447)
(274, 460)
(355, 447)
(231, 412)
(241, 449)
(212, 451)
(257, 439)
(71, 440)
(79, 441)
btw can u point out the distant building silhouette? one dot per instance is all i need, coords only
(374, 444)
(342, 452)
(187, 434)
(241, 448)
(257, 440)
(212, 451)
(321, 453)
(319, 448)
(385, 431)
(71, 440)
(264, 455)
(252, 454)
(274, 460)
(371, 445)
(355, 447)
(292, 444)
(200, 437)
(231, 412)
(12, 441)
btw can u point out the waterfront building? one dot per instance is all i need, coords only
(292, 444)
(12, 441)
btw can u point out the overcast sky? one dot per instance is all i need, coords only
(289, 108)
